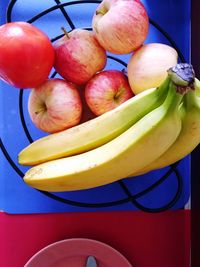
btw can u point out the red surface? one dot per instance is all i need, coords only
(146, 240)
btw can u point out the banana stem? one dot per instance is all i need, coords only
(191, 100)
(163, 88)
(173, 99)
(183, 76)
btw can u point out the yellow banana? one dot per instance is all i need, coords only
(135, 148)
(197, 87)
(189, 136)
(95, 132)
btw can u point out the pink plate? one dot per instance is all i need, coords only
(74, 252)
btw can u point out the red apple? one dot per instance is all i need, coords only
(55, 105)
(120, 26)
(79, 56)
(107, 90)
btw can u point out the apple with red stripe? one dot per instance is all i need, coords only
(78, 56)
(55, 105)
(121, 26)
(107, 90)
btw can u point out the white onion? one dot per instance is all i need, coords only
(147, 68)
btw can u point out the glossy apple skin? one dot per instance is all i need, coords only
(147, 67)
(107, 90)
(55, 106)
(26, 55)
(121, 26)
(79, 56)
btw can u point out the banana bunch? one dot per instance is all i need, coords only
(189, 136)
(128, 140)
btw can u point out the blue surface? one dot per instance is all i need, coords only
(17, 197)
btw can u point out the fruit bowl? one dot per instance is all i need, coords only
(153, 192)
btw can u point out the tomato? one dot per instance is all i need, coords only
(26, 55)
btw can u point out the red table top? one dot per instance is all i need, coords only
(146, 240)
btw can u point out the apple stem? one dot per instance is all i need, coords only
(119, 92)
(65, 32)
(100, 12)
(39, 110)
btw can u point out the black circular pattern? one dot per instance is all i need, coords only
(130, 198)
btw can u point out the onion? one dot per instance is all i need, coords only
(147, 68)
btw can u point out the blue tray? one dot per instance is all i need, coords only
(172, 27)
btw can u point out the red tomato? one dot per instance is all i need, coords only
(26, 55)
